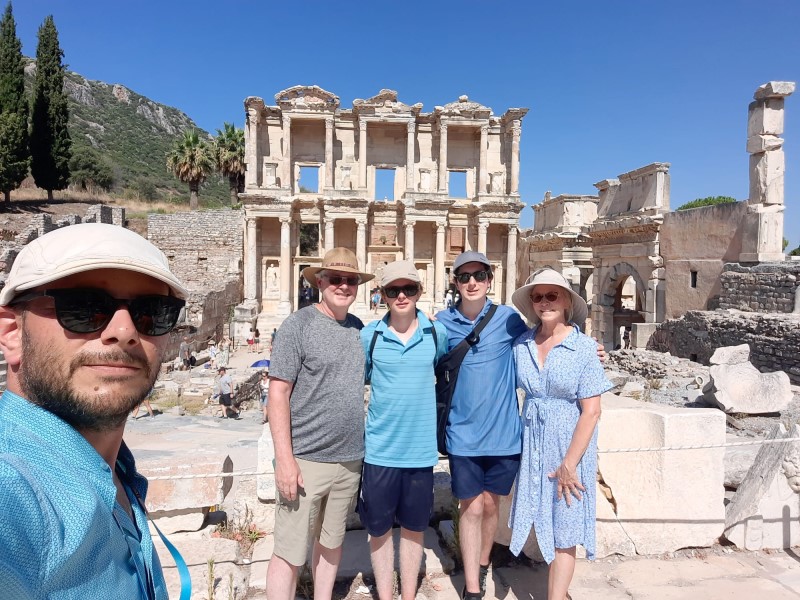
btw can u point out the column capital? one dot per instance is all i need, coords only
(443, 126)
(287, 121)
(328, 122)
(361, 223)
(362, 125)
(440, 225)
(411, 126)
(516, 128)
(512, 229)
(484, 129)
(483, 225)
(251, 221)
(409, 223)
(285, 220)
(329, 220)
(253, 115)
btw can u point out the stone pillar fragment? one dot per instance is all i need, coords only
(511, 263)
(285, 304)
(329, 152)
(439, 273)
(251, 261)
(362, 154)
(762, 239)
(442, 157)
(411, 128)
(409, 245)
(482, 162)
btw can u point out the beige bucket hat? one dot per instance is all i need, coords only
(547, 276)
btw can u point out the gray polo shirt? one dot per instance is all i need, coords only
(324, 359)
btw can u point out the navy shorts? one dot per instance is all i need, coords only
(472, 475)
(394, 494)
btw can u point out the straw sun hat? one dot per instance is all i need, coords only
(342, 260)
(522, 297)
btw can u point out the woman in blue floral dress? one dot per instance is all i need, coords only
(558, 368)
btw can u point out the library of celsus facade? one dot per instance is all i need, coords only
(382, 178)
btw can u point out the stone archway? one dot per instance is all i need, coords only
(607, 315)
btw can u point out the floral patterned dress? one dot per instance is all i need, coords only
(550, 414)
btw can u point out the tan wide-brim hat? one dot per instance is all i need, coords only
(338, 259)
(522, 297)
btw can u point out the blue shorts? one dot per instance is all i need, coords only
(472, 475)
(394, 494)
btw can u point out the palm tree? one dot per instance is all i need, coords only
(229, 154)
(191, 160)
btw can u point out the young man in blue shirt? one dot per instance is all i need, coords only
(83, 318)
(400, 435)
(484, 428)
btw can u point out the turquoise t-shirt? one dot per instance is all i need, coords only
(401, 420)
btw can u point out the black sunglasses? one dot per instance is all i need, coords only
(549, 296)
(478, 275)
(86, 310)
(336, 280)
(408, 290)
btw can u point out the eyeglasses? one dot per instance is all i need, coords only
(337, 280)
(86, 310)
(477, 275)
(549, 296)
(408, 290)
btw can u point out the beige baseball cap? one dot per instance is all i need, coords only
(86, 247)
(399, 269)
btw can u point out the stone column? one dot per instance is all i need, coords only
(361, 255)
(329, 152)
(362, 154)
(285, 304)
(411, 127)
(482, 228)
(442, 157)
(251, 262)
(516, 130)
(409, 245)
(482, 165)
(251, 143)
(511, 263)
(288, 174)
(763, 224)
(439, 273)
(329, 222)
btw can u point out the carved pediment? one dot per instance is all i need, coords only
(307, 97)
(384, 102)
(465, 108)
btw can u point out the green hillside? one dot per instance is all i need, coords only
(133, 134)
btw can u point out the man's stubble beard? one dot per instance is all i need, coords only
(43, 384)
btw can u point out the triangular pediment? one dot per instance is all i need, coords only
(307, 97)
(464, 107)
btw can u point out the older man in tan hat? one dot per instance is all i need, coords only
(83, 321)
(316, 416)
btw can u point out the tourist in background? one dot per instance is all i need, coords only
(224, 356)
(263, 388)
(400, 440)
(555, 490)
(225, 393)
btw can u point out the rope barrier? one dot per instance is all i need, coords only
(246, 474)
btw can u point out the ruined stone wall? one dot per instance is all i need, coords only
(764, 288)
(204, 248)
(774, 339)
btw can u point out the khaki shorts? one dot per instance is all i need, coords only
(320, 510)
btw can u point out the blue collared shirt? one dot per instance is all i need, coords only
(484, 415)
(63, 536)
(401, 420)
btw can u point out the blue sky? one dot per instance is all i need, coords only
(611, 86)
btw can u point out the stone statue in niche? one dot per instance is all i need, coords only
(346, 183)
(270, 174)
(272, 278)
(423, 278)
(424, 180)
(496, 182)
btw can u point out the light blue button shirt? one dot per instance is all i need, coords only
(63, 536)
(484, 416)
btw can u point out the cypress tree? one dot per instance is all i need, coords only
(14, 156)
(50, 141)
